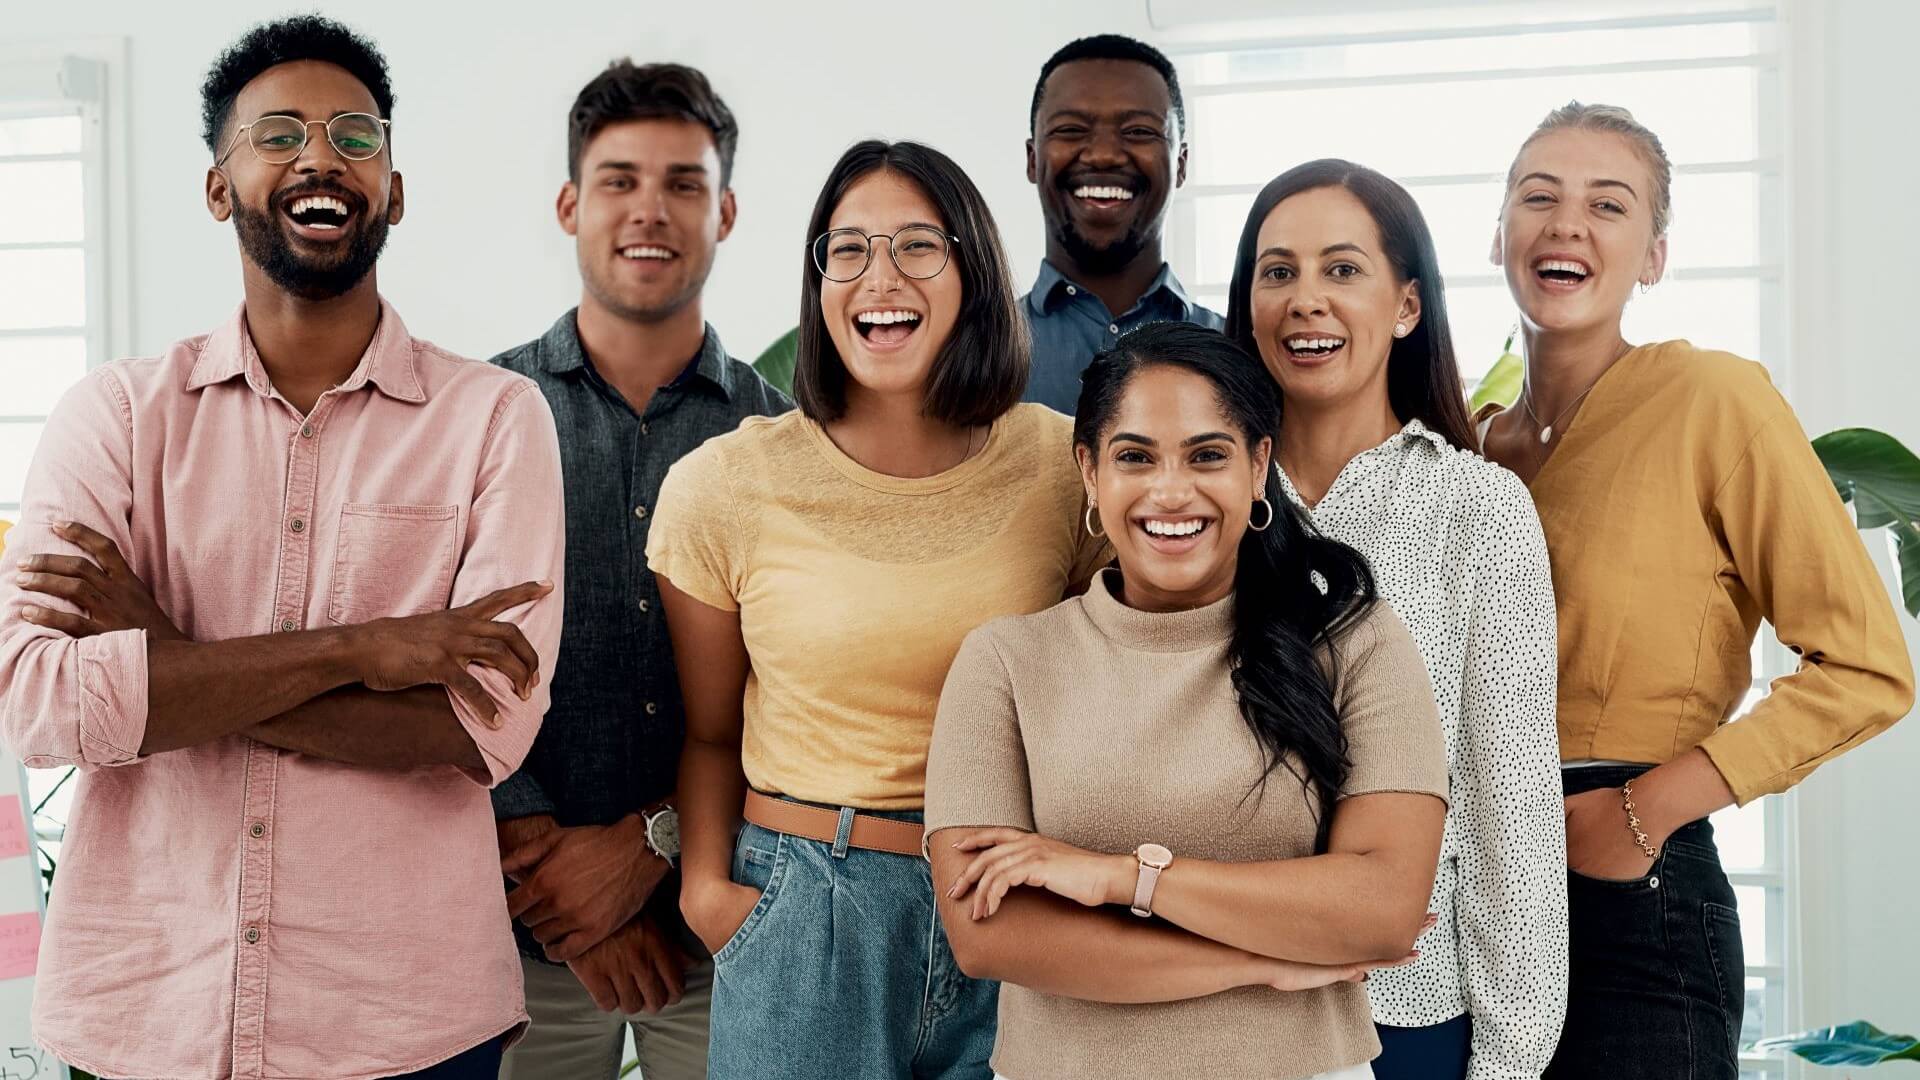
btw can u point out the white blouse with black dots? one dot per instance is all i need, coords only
(1456, 549)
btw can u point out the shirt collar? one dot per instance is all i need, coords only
(389, 362)
(1052, 284)
(1414, 436)
(562, 352)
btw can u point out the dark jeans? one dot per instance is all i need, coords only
(1658, 975)
(1435, 1052)
(480, 1063)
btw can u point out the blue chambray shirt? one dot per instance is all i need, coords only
(1070, 325)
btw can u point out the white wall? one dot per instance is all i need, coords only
(482, 94)
(479, 264)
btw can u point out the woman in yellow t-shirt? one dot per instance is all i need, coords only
(819, 571)
(1682, 504)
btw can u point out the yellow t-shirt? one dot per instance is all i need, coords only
(855, 588)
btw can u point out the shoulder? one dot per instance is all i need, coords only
(750, 392)
(524, 358)
(1019, 640)
(1490, 494)
(440, 369)
(1376, 641)
(1207, 317)
(1709, 379)
(756, 439)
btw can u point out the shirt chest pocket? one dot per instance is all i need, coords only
(392, 560)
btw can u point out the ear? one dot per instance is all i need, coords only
(1262, 457)
(396, 199)
(1033, 165)
(1410, 306)
(728, 211)
(1656, 266)
(219, 194)
(1089, 481)
(1496, 254)
(566, 208)
(1180, 166)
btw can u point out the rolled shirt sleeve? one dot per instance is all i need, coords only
(67, 701)
(516, 533)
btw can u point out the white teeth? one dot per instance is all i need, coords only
(318, 202)
(1103, 193)
(1174, 528)
(1306, 344)
(644, 251)
(1561, 265)
(887, 318)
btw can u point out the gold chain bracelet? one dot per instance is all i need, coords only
(1633, 822)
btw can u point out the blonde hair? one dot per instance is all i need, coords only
(1613, 118)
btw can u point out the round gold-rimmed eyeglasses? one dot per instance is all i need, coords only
(278, 139)
(920, 252)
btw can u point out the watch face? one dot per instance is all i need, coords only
(1154, 855)
(663, 833)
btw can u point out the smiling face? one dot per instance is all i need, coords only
(1576, 232)
(647, 215)
(1325, 299)
(1105, 155)
(315, 225)
(887, 327)
(1174, 481)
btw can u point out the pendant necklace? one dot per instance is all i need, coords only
(1546, 430)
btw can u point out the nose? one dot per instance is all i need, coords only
(882, 275)
(1306, 301)
(1172, 487)
(648, 205)
(1566, 224)
(1103, 148)
(319, 155)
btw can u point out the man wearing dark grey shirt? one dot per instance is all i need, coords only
(1106, 151)
(635, 379)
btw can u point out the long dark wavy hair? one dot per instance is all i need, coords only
(1284, 620)
(1423, 379)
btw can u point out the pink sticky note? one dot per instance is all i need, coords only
(13, 828)
(19, 944)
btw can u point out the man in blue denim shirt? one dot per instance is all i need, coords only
(1107, 148)
(636, 379)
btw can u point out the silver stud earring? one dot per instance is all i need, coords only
(1399, 329)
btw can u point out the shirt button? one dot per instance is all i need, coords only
(640, 511)
(1113, 328)
(643, 429)
(652, 708)
(258, 830)
(1071, 291)
(644, 607)
(299, 525)
(253, 935)
(306, 431)
(287, 625)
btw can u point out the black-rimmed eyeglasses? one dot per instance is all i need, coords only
(920, 252)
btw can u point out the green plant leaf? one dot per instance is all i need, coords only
(1881, 477)
(1858, 1043)
(1500, 385)
(775, 363)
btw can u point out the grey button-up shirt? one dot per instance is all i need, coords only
(611, 741)
(1070, 325)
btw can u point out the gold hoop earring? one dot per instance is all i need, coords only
(1270, 513)
(1088, 519)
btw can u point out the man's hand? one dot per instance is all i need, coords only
(437, 647)
(576, 886)
(108, 593)
(637, 969)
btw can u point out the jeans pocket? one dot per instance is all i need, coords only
(1721, 925)
(755, 866)
(392, 560)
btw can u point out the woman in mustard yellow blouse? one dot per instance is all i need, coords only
(1682, 504)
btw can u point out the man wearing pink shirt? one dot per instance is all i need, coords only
(285, 595)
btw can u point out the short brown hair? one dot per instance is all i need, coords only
(626, 91)
(982, 369)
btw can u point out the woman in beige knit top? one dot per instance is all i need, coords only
(1228, 735)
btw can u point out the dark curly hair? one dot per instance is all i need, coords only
(1111, 47)
(297, 37)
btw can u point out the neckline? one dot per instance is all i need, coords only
(903, 485)
(1575, 437)
(1155, 631)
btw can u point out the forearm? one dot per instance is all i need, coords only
(1678, 793)
(1053, 945)
(200, 691)
(1338, 908)
(402, 729)
(712, 788)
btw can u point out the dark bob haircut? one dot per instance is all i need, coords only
(1110, 47)
(299, 37)
(626, 91)
(981, 371)
(1423, 380)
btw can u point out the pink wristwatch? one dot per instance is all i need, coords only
(1153, 859)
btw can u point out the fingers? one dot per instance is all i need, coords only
(500, 600)
(984, 863)
(570, 946)
(599, 987)
(103, 550)
(996, 881)
(78, 591)
(475, 695)
(77, 626)
(486, 649)
(530, 902)
(72, 566)
(517, 643)
(652, 992)
(673, 975)
(987, 838)
(530, 854)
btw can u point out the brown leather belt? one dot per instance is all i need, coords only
(817, 823)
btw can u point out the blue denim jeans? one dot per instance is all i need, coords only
(843, 970)
(1435, 1052)
(1658, 980)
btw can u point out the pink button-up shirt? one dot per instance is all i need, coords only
(230, 909)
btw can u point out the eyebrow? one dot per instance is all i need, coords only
(672, 170)
(1123, 114)
(298, 115)
(1191, 440)
(941, 229)
(1552, 179)
(1287, 253)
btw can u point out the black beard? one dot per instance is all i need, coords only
(1098, 261)
(266, 243)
